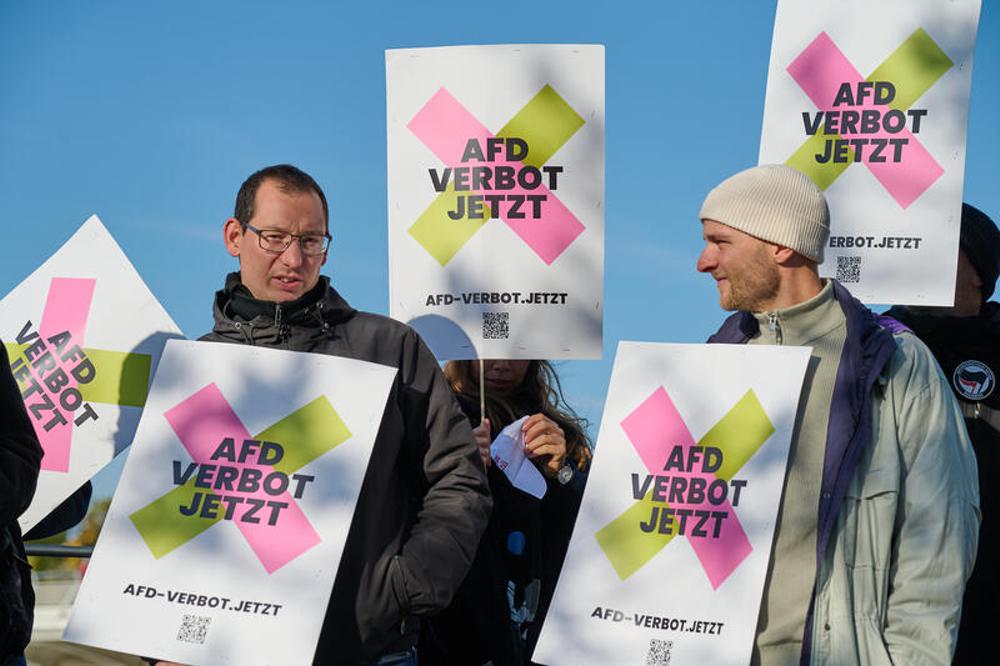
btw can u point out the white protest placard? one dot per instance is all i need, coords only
(870, 100)
(84, 335)
(227, 527)
(496, 198)
(670, 550)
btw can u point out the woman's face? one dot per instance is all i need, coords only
(501, 376)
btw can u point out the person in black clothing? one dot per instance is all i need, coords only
(965, 339)
(424, 502)
(499, 610)
(20, 461)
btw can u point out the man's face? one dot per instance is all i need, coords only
(745, 272)
(278, 277)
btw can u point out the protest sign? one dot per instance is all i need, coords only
(84, 335)
(870, 100)
(670, 550)
(496, 198)
(226, 531)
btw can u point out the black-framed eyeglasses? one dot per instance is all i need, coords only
(276, 241)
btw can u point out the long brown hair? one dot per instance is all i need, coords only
(540, 387)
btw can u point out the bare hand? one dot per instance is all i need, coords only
(483, 441)
(544, 443)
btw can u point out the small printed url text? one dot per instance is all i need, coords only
(202, 600)
(658, 622)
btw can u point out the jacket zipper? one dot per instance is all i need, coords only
(772, 323)
(280, 324)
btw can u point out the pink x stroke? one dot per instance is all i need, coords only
(655, 428)
(820, 70)
(445, 127)
(66, 308)
(201, 422)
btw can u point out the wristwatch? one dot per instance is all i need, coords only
(565, 474)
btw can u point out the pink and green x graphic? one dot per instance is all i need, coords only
(913, 68)
(120, 378)
(655, 427)
(445, 127)
(201, 422)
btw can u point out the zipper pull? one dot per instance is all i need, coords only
(772, 323)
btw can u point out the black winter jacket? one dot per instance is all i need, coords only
(20, 458)
(424, 502)
(968, 351)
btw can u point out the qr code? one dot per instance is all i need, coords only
(194, 629)
(496, 325)
(659, 653)
(848, 269)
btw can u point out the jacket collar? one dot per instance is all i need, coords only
(803, 323)
(236, 312)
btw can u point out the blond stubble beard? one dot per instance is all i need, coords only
(752, 285)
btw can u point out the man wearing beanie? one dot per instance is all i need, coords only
(965, 339)
(876, 532)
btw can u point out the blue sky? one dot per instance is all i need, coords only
(151, 115)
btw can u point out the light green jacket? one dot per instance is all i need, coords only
(889, 589)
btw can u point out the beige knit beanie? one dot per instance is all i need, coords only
(775, 203)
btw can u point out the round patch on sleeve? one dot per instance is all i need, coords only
(973, 380)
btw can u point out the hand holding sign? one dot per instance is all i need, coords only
(544, 443)
(509, 455)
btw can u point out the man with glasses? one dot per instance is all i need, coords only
(425, 500)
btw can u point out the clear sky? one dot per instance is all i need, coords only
(151, 114)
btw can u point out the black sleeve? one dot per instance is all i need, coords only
(72, 510)
(456, 506)
(20, 452)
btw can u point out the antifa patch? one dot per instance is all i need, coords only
(973, 380)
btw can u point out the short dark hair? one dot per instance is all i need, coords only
(288, 178)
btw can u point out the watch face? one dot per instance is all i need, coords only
(565, 474)
(973, 380)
